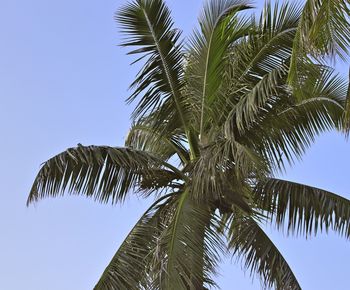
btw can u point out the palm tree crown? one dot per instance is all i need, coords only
(217, 118)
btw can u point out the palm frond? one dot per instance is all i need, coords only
(285, 128)
(261, 95)
(323, 31)
(148, 26)
(294, 130)
(130, 266)
(101, 172)
(303, 208)
(191, 245)
(259, 65)
(208, 48)
(259, 254)
(347, 109)
(332, 20)
(270, 45)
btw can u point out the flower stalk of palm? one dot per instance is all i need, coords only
(217, 118)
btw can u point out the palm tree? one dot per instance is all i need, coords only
(217, 118)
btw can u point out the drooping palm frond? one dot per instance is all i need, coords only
(285, 127)
(259, 254)
(148, 27)
(130, 266)
(101, 172)
(191, 245)
(303, 208)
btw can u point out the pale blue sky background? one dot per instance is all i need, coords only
(63, 80)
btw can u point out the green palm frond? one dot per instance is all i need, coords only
(259, 254)
(148, 27)
(285, 137)
(191, 245)
(208, 49)
(270, 46)
(323, 31)
(129, 267)
(347, 109)
(297, 129)
(331, 19)
(259, 65)
(261, 95)
(285, 128)
(303, 208)
(101, 172)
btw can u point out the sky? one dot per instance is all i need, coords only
(63, 81)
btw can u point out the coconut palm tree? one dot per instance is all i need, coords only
(217, 119)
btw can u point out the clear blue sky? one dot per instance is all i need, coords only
(63, 80)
